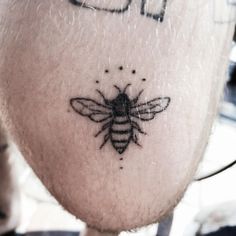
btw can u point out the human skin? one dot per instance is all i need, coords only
(53, 51)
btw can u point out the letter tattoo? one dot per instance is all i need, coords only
(154, 9)
(120, 117)
(224, 11)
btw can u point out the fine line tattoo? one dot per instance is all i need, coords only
(120, 116)
(158, 15)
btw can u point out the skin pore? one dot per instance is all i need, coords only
(54, 51)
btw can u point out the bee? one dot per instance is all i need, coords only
(120, 116)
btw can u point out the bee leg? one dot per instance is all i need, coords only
(106, 138)
(135, 140)
(106, 101)
(136, 126)
(104, 127)
(135, 100)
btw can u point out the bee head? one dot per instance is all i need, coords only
(124, 90)
(121, 104)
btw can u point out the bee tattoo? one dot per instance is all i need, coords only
(120, 116)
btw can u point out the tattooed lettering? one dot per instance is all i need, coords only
(146, 7)
(120, 116)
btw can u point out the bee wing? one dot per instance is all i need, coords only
(91, 109)
(147, 111)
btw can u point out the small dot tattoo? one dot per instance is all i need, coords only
(121, 68)
(143, 79)
(133, 71)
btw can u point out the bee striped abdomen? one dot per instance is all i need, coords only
(121, 133)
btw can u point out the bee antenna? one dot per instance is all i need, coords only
(117, 88)
(126, 87)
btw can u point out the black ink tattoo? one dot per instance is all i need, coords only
(81, 3)
(119, 116)
(159, 16)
